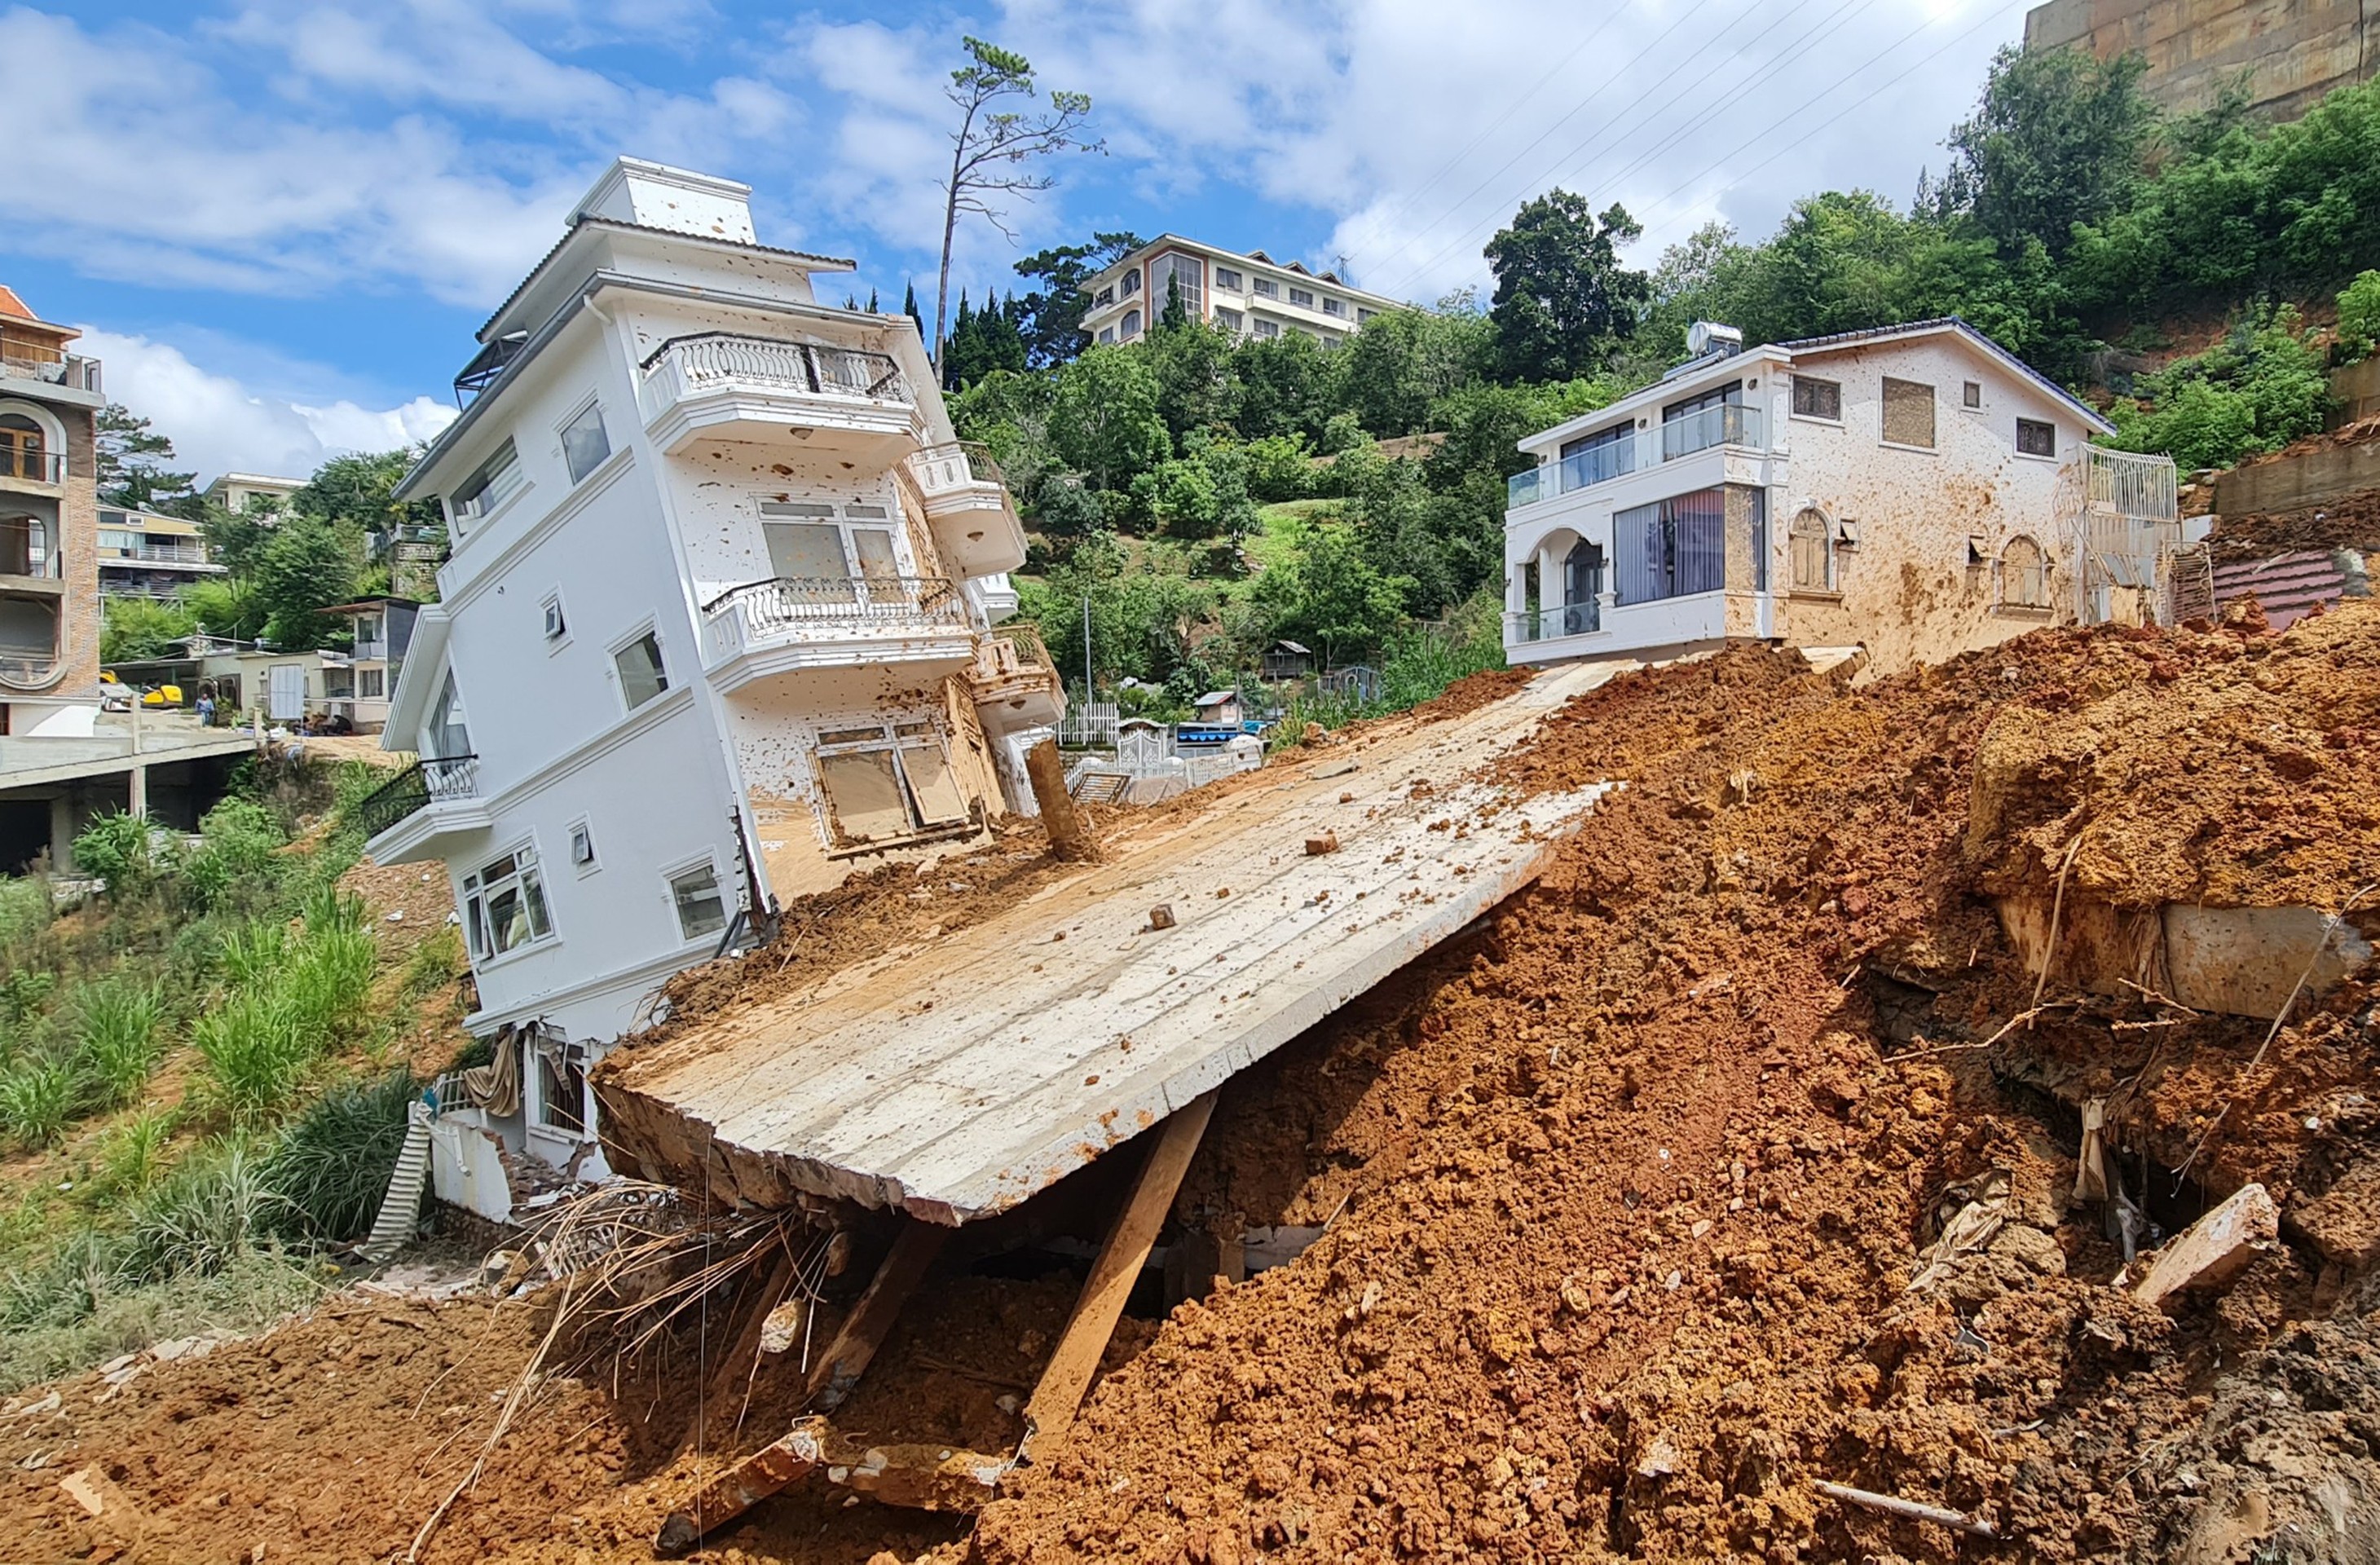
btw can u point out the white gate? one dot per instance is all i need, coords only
(287, 701)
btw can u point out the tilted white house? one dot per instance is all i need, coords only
(716, 631)
(1916, 490)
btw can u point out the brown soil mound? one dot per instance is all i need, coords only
(2351, 521)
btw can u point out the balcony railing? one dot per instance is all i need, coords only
(806, 608)
(1544, 625)
(164, 554)
(428, 780)
(24, 361)
(1727, 424)
(939, 469)
(1011, 654)
(32, 466)
(27, 670)
(372, 650)
(715, 358)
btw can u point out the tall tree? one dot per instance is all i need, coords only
(1563, 300)
(132, 465)
(2059, 138)
(993, 147)
(909, 308)
(1106, 422)
(1050, 317)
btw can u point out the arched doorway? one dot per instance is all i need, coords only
(24, 450)
(1583, 588)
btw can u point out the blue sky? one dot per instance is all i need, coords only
(281, 220)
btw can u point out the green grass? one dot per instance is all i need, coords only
(333, 1163)
(110, 1320)
(37, 1096)
(253, 952)
(134, 1154)
(118, 1045)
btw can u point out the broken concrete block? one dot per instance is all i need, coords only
(1326, 843)
(1161, 917)
(2215, 1249)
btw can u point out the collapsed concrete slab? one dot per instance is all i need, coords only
(953, 1081)
(2215, 1249)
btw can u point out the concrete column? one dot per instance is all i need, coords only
(1070, 836)
(138, 782)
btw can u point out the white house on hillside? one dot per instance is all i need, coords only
(1913, 489)
(715, 632)
(1251, 295)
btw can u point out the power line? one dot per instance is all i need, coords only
(1816, 34)
(1405, 200)
(1465, 199)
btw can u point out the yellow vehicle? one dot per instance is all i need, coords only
(163, 696)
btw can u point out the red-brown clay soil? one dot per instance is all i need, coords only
(1625, 1194)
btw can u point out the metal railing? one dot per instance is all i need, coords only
(794, 608)
(35, 466)
(821, 368)
(428, 780)
(374, 650)
(939, 469)
(1544, 625)
(25, 361)
(1727, 424)
(165, 553)
(1011, 654)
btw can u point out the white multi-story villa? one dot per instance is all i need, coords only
(1252, 295)
(715, 632)
(1915, 489)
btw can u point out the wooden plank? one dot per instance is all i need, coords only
(1051, 1413)
(732, 1381)
(770, 1469)
(863, 1331)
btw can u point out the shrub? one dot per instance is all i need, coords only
(22, 995)
(256, 1055)
(214, 1210)
(327, 982)
(122, 851)
(2358, 314)
(117, 1045)
(238, 842)
(24, 910)
(332, 1164)
(37, 1099)
(252, 954)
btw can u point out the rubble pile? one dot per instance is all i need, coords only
(1741, 1190)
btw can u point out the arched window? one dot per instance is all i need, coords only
(22, 450)
(1131, 324)
(1811, 554)
(2024, 575)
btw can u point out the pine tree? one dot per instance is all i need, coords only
(871, 303)
(909, 308)
(132, 471)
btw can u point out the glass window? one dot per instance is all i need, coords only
(701, 909)
(1107, 295)
(1183, 276)
(1227, 278)
(497, 481)
(1670, 548)
(582, 845)
(121, 543)
(371, 684)
(561, 1087)
(642, 677)
(557, 625)
(2035, 438)
(1302, 297)
(448, 736)
(1907, 412)
(1266, 288)
(584, 443)
(1333, 306)
(1267, 328)
(1131, 324)
(1132, 282)
(1106, 333)
(503, 905)
(1230, 320)
(1971, 394)
(1814, 398)
(1362, 315)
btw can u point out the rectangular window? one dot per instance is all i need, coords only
(642, 677)
(1302, 297)
(1266, 288)
(557, 625)
(582, 845)
(1267, 329)
(497, 481)
(503, 905)
(1672, 548)
(1907, 412)
(1230, 320)
(561, 1088)
(1362, 315)
(1182, 277)
(886, 782)
(1971, 394)
(584, 443)
(1106, 333)
(1333, 306)
(1227, 278)
(701, 909)
(2035, 438)
(825, 553)
(371, 684)
(1814, 398)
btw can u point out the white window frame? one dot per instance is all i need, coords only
(378, 677)
(893, 734)
(1883, 400)
(2000, 598)
(465, 515)
(1333, 306)
(582, 829)
(554, 617)
(546, 1053)
(1301, 298)
(611, 666)
(593, 404)
(478, 892)
(1228, 278)
(673, 873)
(1230, 320)
(1971, 396)
(1266, 287)
(1266, 329)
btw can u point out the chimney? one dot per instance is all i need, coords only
(654, 195)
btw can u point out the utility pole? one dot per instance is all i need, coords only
(1087, 691)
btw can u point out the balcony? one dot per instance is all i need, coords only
(1015, 683)
(967, 508)
(1639, 451)
(407, 816)
(1582, 618)
(793, 624)
(21, 465)
(789, 394)
(49, 366)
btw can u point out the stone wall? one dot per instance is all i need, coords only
(2293, 52)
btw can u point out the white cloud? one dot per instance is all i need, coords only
(220, 424)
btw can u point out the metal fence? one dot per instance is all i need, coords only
(426, 781)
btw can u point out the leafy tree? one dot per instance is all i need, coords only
(1401, 361)
(2058, 139)
(226, 606)
(1050, 317)
(1288, 386)
(909, 308)
(134, 628)
(1563, 300)
(2257, 390)
(993, 146)
(132, 470)
(2358, 314)
(1331, 596)
(1106, 423)
(1278, 468)
(1195, 388)
(304, 568)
